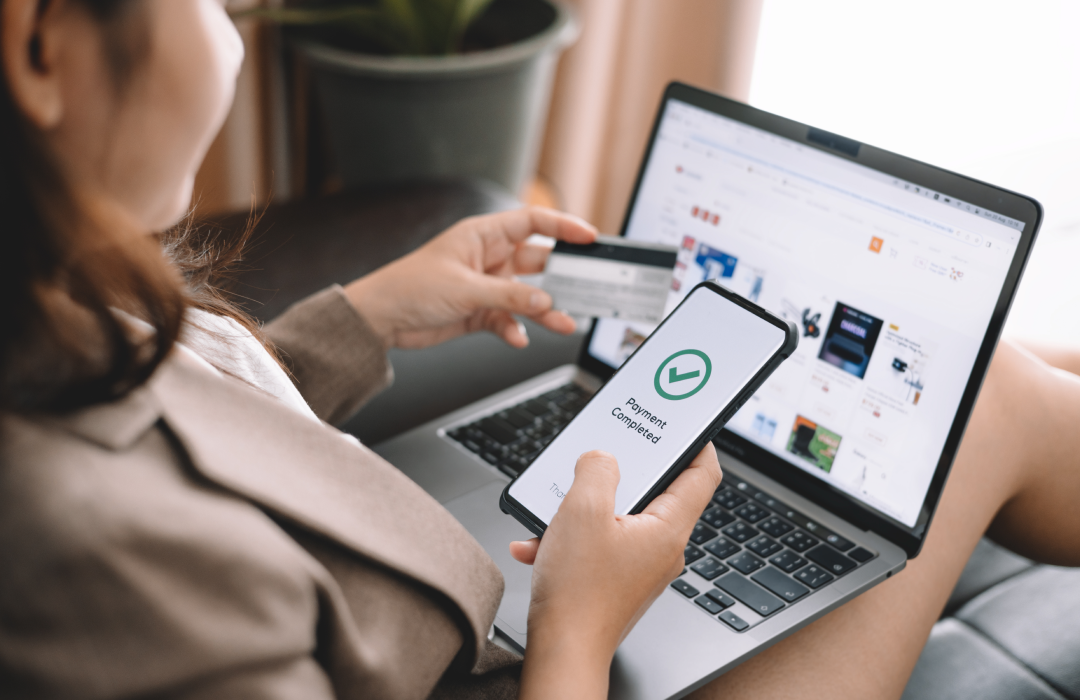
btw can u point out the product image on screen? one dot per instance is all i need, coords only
(850, 340)
(661, 401)
(892, 287)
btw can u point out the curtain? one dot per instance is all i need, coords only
(609, 86)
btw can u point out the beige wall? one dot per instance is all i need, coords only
(240, 165)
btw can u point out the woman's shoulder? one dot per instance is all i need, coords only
(103, 546)
(66, 491)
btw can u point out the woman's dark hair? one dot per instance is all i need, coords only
(65, 271)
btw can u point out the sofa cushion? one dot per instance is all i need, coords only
(959, 663)
(1035, 616)
(990, 564)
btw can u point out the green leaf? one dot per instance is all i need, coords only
(410, 27)
(467, 12)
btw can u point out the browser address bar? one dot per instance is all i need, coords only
(973, 239)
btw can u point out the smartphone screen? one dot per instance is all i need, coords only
(661, 401)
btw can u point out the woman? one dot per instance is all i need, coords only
(177, 520)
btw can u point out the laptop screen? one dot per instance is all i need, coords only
(891, 285)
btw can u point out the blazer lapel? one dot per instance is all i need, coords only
(249, 443)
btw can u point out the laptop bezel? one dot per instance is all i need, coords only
(975, 192)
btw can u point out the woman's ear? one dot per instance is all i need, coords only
(31, 38)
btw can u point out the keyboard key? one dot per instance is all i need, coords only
(527, 448)
(536, 407)
(839, 542)
(817, 528)
(751, 512)
(734, 621)
(710, 568)
(780, 584)
(491, 457)
(702, 534)
(545, 430)
(691, 554)
(799, 541)
(739, 532)
(717, 517)
(814, 576)
(800, 520)
(489, 445)
(831, 560)
(770, 502)
(685, 588)
(722, 548)
(788, 561)
(723, 599)
(518, 418)
(749, 594)
(571, 405)
(513, 466)
(746, 563)
(729, 499)
(472, 446)
(499, 430)
(744, 488)
(763, 546)
(861, 555)
(775, 526)
(710, 605)
(553, 425)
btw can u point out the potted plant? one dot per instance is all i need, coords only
(429, 89)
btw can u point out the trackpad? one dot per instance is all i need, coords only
(479, 512)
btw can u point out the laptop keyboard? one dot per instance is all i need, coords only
(750, 547)
(510, 439)
(753, 549)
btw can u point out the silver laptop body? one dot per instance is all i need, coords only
(900, 276)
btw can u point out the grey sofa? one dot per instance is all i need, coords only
(1011, 628)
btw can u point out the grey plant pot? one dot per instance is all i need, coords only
(477, 115)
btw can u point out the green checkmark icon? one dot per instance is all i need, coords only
(674, 376)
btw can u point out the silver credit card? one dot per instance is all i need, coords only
(611, 278)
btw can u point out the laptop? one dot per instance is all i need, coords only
(899, 276)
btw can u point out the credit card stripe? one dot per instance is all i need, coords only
(630, 254)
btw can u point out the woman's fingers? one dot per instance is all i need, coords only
(596, 476)
(503, 294)
(530, 259)
(506, 327)
(525, 551)
(556, 321)
(685, 499)
(517, 225)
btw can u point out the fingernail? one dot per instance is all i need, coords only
(522, 331)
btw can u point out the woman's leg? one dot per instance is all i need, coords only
(1017, 473)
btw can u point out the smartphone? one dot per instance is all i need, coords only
(657, 412)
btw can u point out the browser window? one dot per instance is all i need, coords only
(891, 285)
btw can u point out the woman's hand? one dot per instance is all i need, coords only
(464, 280)
(596, 573)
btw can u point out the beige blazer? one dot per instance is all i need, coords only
(199, 539)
